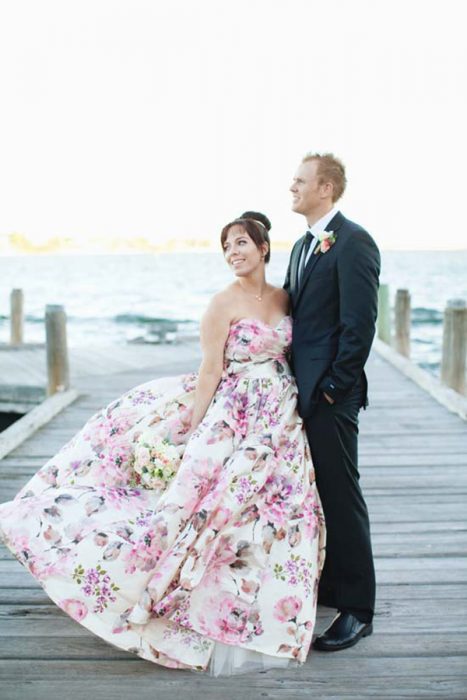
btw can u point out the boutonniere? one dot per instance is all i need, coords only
(326, 241)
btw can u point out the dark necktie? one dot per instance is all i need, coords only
(306, 247)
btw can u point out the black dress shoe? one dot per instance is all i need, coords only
(344, 631)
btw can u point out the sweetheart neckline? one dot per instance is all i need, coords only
(259, 320)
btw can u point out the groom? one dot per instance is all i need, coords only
(332, 280)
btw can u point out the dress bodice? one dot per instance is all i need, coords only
(254, 346)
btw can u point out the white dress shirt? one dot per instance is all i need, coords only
(317, 228)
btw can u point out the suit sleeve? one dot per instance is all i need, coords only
(358, 270)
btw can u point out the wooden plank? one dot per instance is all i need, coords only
(26, 646)
(416, 512)
(427, 491)
(445, 677)
(212, 689)
(91, 647)
(401, 527)
(435, 458)
(407, 687)
(322, 670)
(26, 426)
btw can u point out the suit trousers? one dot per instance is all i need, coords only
(348, 578)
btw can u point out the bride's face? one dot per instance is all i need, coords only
(241, 252)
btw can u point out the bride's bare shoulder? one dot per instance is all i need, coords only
(282, 297)
(221, 303)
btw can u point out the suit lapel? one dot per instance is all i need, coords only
(294, 266)
(312, 262)
(335, 223)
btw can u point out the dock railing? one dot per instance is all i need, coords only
(58, 373)
(454, 350)
(36, 405)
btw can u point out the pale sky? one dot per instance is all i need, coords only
(166, 119)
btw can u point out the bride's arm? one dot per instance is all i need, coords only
(215, 326)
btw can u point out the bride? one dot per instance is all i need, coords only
(182, 523)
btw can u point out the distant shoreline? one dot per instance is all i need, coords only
(117, 247)
(178, 249)
(16, 245)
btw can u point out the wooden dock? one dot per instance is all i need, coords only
(414, 474)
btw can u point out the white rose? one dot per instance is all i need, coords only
(147, 438)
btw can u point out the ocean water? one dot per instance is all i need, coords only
(146, 298)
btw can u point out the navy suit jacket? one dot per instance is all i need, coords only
(334, 312)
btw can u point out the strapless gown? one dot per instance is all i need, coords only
(220, 569)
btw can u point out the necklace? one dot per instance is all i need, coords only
(258, 297)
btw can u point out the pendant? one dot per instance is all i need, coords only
(259, 298)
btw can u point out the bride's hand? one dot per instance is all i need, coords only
(189, 433)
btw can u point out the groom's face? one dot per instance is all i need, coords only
(307, 192)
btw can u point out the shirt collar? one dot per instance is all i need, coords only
(320, 225)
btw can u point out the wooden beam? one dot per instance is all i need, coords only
(39, 416)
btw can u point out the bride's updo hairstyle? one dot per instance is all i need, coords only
(256, 225)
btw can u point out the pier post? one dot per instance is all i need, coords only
(454, 345)
(58, 375)
(384, 314)
(16, 316)
(402, 322)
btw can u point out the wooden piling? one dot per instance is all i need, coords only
(454, 345)
(58, 375)
(384, 314)
(402, 322)
(16, 317)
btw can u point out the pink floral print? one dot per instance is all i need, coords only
(231, 551)
(287, 609)
(74, 608)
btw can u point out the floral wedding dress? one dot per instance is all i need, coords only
(217, 566)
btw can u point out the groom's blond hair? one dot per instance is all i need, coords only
(330, 169)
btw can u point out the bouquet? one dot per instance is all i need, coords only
(155, 462)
